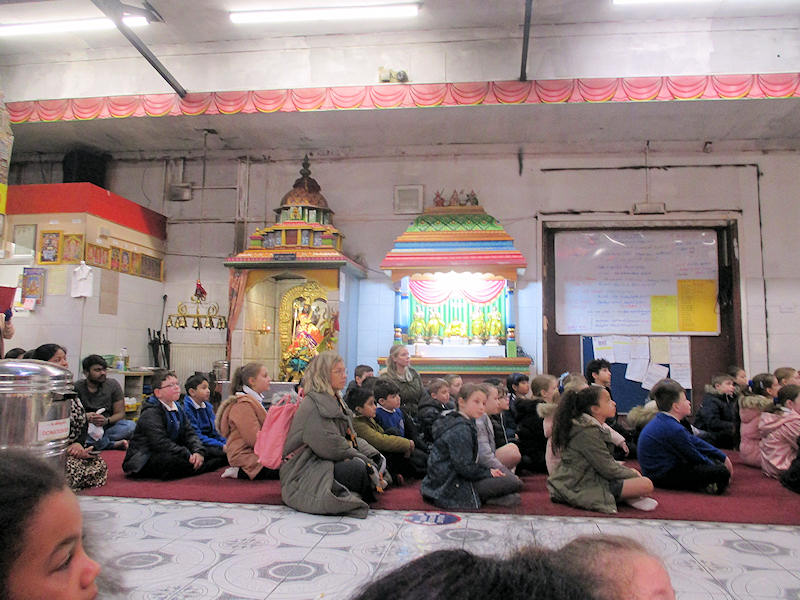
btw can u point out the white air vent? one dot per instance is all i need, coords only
(408, 199)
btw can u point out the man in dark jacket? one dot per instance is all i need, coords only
(718, 417)
(164, 444)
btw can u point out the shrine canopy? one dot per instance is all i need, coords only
(454, 238)
(303, 235)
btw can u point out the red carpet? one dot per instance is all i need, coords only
(751, 498)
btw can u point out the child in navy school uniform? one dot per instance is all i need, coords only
(198, 410)
(390, 416)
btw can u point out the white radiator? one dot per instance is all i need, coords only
(185, 359)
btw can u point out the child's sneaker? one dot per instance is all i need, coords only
(642, 503)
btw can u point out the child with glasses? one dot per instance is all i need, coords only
(164, 444)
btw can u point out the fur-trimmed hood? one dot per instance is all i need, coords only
(546, 409)
(639, 416)
(756, 401)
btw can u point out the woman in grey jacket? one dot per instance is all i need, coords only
(325, 470)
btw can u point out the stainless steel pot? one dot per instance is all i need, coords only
(35, 401)
(222, 370)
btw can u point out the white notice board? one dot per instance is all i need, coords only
(637, 282)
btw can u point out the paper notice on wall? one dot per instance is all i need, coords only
(682, 373)
(654, 374)
(57, 281)
(640, 347)
(622, 348)
(637, 368)
(603, 347)
(109, 292)
(659, 349)
(679, 350)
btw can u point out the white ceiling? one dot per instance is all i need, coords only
(743, 124)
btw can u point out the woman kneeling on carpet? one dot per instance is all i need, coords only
(325, 470)
(240, 418)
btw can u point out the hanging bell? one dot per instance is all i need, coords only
(169, 322)
(208, 323)
(181, 322)
(222, 323)
(196, 323)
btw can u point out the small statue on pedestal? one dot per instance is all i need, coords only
(435, 327)
(494, 327)
(478, 327)
(416, 331)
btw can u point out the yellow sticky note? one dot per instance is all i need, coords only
(664, 313)
(697, 305)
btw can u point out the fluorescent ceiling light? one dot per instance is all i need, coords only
(44, 27)
(664, 1)
(339, 13)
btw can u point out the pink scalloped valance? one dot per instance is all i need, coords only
(432, 291)
(422, 95)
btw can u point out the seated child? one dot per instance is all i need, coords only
(791, 478)
(751, 405)
(198, 409)
(740, 382)
(505, 428)
(505, 457)
(359, 375)
(588, 476)
(674, 458)
(779, 431)
(164, 445)
(432, 407)
(455, 382)
(547, 411)
(719, 415)
(454, 478)
(402, 458)
(240, 417)
(787, 376)
(391, 417)
(530, 422)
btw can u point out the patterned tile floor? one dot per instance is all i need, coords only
(160, 550)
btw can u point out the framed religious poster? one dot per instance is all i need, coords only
(33, 283)
(115, 258)
(151, 267)
(49, 251)
(72, 248)
(97, 256)
(24, 240)
(125, 261)
(136, 263)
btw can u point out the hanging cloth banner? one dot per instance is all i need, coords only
(435, 292)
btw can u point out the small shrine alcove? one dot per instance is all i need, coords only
(454, 272)
(288, 288)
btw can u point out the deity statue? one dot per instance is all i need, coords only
(494, 326)
(416, 330)
(456, 329)
(315, 330)
(478, 326)
(435, 325)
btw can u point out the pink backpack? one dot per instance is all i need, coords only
(272, 437)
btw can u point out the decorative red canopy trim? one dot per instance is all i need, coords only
(623, 89)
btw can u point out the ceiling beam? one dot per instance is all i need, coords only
(523, 73)
(115, 10)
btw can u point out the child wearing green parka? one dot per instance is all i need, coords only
(588, 476)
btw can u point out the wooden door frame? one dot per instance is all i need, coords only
(561, 352)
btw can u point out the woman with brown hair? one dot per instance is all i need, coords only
(325, 469)
(398, 369)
